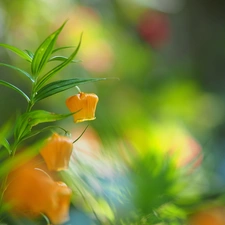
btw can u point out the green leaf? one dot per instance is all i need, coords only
(52, 72)
(19, 52)
(30, 119)
(20, 127)
(5, 131)
(31, 54)
(65, 47)
(44, 51)
(15, 88)
(5, 143)
(18, 69)
(34, 133)
(62, 85)
(19, 159)
(38, 131)
(62, 58)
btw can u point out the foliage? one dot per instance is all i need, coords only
(14, 134)
(162, 108)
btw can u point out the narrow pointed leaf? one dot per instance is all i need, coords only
(5, 130)
(52, 72)
(61, 58)
(62, 85)
(6, 145)
(28, 120)
(20, 127)
(18, 69)
(9, 163)
(61, 48)
(2, 82)
(38, 131)
(19, 52)
(31, 54)
(44, 51)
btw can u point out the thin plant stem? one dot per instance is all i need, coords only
(78, 89)
(81, 134)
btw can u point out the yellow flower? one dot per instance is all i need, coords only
(57, 152)
(31, 191)
(84, 105)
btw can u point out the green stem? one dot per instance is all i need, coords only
(33, 93)
(81, 134)
(13, 152)
(30, 105)
(78, 89)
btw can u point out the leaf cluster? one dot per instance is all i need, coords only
(38, 60)
(41, 86)
(13, 133)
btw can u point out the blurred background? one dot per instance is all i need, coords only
(155, 153)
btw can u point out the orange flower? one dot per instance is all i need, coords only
(31, 191)
(84, 105)
(57, 152)
(58, 212)
(215, 216)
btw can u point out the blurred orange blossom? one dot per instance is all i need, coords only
(57, 152)
(31, 191)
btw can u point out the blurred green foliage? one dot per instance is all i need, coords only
(169, 59)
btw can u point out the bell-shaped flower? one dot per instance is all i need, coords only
(58, 211)
(57, 152)
(31, 192)
(84, 105)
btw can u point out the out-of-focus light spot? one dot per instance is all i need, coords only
(168, 139)
(2, 21)
(96, 53)
(98, 57)
(154, 28)
(187, 150)
(88, 145)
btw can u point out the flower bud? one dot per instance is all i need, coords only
(57, 152)
(84, 105)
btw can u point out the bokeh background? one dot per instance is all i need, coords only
(165, 98)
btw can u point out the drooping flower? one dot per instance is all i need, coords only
(84, 105)
(57, 152)
(31, 191)
(58, 212)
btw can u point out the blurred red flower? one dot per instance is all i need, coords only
(154, 28)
